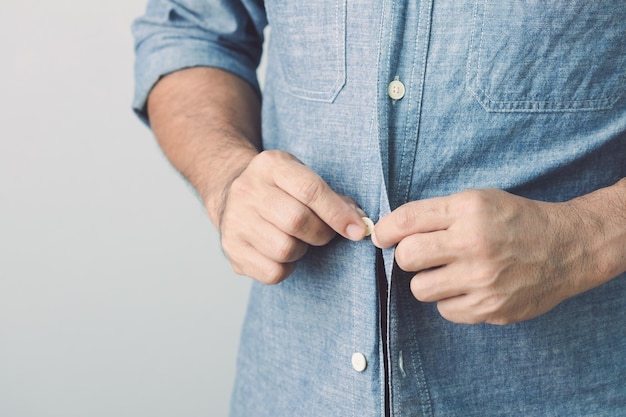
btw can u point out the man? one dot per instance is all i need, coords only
(488, 142)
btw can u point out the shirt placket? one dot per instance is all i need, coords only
(402, 69)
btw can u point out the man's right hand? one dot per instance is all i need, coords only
(274, 210)
(268, 206)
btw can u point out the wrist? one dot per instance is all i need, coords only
(207, 121)
(599, 223)
(214, 190)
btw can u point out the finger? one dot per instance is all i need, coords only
(251, 263)
(415, 217)
(437, 284)
(258, 249)
(424, 250)
(461, 309)
(294, 218)
(455, 310)
(311, 190)
(475, 308)
(275, 244)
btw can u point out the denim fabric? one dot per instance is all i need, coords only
(525, 96)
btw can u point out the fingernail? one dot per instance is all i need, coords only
(355, 232)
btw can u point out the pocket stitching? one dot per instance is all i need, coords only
(340, 55)
(490, 104)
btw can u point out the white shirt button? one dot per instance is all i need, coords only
(396, 89)
(359, 363)
(370, 226)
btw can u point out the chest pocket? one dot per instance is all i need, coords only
(309, 37)
(547, 56)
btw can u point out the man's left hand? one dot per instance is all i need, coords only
(487, 255)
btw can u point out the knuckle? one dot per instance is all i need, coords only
(266, 158)
(266, 161)
(236, 264)
(324, 236)
(493, 311)
(297, 221)
(474, 201)
(227, 246)
(233, 239)
(404, 218)
(335, 218)
(275, 274)
(438, 210)
(309, 192)
(286, 249)
(239, 187)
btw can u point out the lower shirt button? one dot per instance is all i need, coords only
(359, 363)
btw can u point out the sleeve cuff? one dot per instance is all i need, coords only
(177, 54)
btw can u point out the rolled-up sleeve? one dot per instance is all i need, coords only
(177, 34)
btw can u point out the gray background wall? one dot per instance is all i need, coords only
(115, 299)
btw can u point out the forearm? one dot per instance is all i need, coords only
(602, 220)
(207, 121)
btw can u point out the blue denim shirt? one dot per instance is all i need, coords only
(525, 96)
